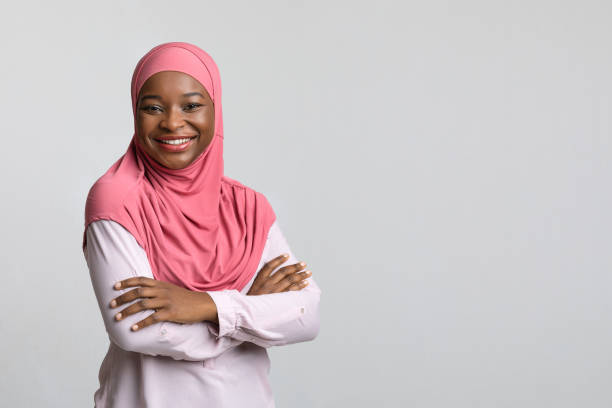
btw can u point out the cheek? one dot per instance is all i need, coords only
(144, 123)
(204, 123)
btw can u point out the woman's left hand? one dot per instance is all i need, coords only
(171, 302)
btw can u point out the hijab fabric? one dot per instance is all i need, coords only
(200, 229)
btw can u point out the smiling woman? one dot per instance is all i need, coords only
(187, 264)
(175, 120)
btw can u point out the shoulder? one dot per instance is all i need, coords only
(109, 192)
(106, 234)
(277, 239)
(107, 227)
(229, 182)
(274, 230)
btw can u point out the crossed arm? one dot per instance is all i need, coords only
(112, 255)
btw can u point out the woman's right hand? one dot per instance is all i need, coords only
(285, 279)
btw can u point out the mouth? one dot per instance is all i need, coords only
(175, 143)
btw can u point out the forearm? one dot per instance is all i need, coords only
(268, 320)
(272, 319)
(113, 255)
(210, 307)
(193, 341)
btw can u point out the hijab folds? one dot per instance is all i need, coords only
(200, 229)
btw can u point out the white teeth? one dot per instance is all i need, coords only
(175, 142)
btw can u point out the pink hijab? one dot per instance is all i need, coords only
(200, 229)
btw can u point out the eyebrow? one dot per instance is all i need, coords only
(159, 97)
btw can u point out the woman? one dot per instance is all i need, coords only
(186, 263)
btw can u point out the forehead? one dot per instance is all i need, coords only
(172, 82)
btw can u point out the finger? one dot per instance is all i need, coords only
(286, 270)
(151, 319)
(269, 266)
(144, 304)
(135, 281)
(298, 285)
(292, 279)
(140, 292)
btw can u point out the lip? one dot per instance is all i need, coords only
(175, 148)
(174, 137)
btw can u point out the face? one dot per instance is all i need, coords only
(175, 118)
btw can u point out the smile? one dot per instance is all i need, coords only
(176, 141)
(176, 145)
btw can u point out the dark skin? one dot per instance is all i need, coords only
(174, 103)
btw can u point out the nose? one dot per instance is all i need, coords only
(173, 120)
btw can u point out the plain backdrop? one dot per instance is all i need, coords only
(442, 166)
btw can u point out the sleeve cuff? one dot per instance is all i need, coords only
(226, 311)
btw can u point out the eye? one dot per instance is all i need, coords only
(192, 106)
(151, 108)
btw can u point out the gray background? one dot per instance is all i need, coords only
(443, 167)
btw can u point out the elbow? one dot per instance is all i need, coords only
(312, 325)
(123, 340)
(313, 330)
(126, 339)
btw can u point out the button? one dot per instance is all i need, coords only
(302, 310)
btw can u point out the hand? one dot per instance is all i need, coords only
(285, 279)
(171, 303)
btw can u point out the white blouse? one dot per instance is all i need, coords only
(201, 364)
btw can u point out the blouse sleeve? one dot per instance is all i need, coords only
(273, 319)
(113, 254)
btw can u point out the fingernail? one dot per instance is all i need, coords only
(117, 285)
(308, 273)
(118, 316)
(285, 255)
(135, 327)
(113, 303)
(302, 264)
